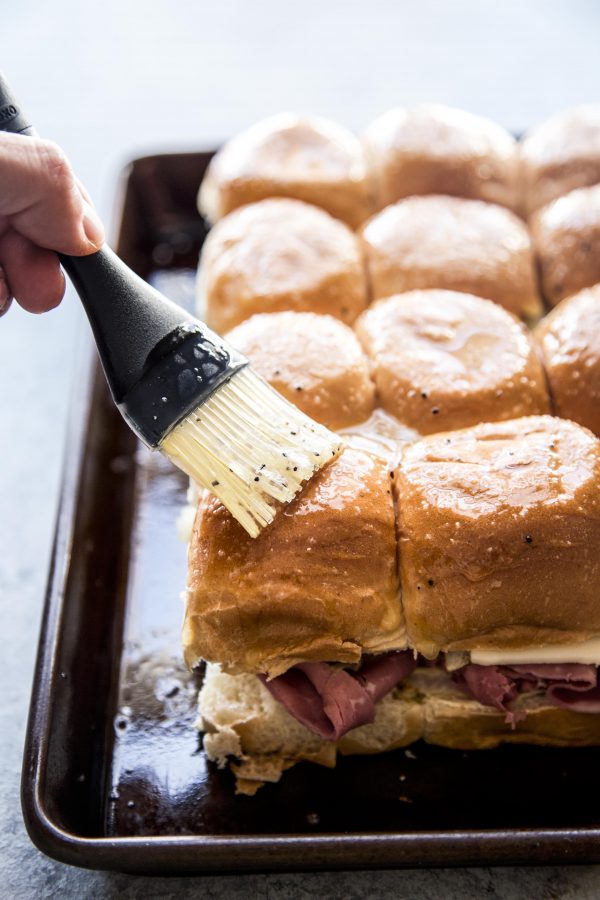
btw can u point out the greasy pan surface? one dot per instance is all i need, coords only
(114, 776)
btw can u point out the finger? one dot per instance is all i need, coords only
(41, 198)
(5, 296)
(33, 274)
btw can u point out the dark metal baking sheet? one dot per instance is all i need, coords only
(114, 775)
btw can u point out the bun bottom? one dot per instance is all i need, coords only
(452, 719)
(245, 726)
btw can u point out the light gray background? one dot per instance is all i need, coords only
(112, 80)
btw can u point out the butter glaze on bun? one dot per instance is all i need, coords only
(560, 155)
(277, 255)
(443, 360)
(319, 584)
(448, 242)
(289, 155)
(316, 362)
(435, 149)
(569, 338)
(566, 237)
(500, 536)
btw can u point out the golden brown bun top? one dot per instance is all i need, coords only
(316, 362)
(444, 360)
(569, 338)
(500, 536)
(566, 236)
(289, 155)
(561, 154)
(280, 254)
(435, 149)
(449, 242)
(320, 583)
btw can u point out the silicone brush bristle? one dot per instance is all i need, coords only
(251, 448)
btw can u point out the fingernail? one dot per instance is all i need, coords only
(94, 230)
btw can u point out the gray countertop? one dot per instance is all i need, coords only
(110, 82)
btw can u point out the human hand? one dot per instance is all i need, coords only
(44, 210)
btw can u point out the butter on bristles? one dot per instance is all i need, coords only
(251, 448)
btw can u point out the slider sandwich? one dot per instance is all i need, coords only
(453, 243)
(559, 156)
(442, 360)
(569, 340)
(315, 362)
(290, 155)
(451, 596)
(566, 239)
(435, 149)
(280, 254)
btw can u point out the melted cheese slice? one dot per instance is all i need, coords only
(588, 653)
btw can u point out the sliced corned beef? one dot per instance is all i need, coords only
(569, 685)
(331, 701)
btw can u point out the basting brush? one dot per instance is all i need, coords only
(186, 392)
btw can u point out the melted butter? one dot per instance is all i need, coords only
(496, 467)
(381, 434)
(340, 485)
(482, 345)
(451, 355)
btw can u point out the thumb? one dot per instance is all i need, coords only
(40, 197)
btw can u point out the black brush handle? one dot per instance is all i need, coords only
(12, 117)
(128, 317)
(160, 362)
